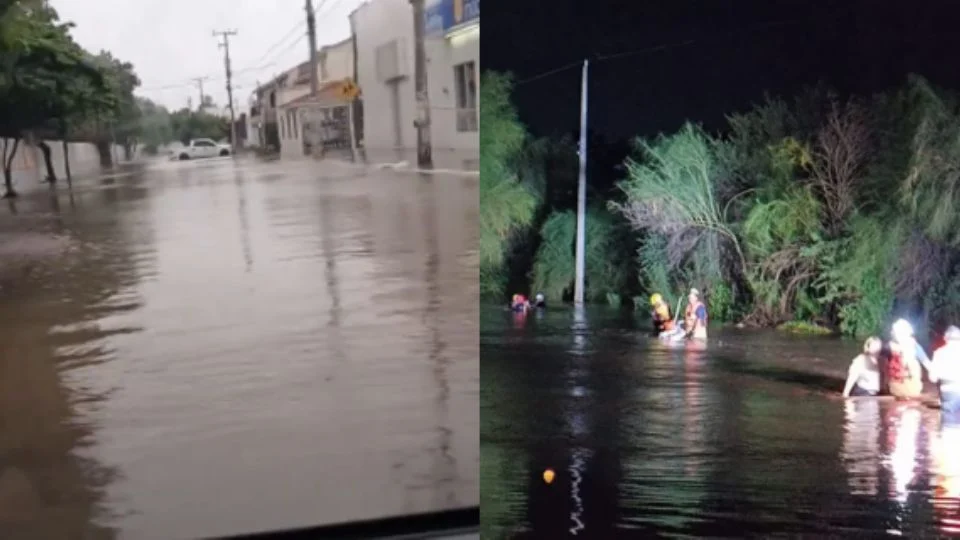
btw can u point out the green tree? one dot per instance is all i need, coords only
(506, 205)
(41, 65)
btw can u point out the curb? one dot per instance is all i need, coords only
(402, 167)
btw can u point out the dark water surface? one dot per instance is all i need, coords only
(240, 347)
(741, 439)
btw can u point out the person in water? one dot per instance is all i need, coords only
(660, 313)
(904, 371)
(945, 371)
(519, 303)
(695, 319)
(540, 301)
(863, 377)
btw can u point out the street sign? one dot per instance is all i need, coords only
(349, 91)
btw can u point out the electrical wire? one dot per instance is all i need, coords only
(655, 48)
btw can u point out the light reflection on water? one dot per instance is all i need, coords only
(745, 437)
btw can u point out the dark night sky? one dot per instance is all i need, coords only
(853, 45)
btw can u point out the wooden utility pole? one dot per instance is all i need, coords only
(225, 44)
(424, 149)
(199, 81)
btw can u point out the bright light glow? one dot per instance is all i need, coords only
(902, 330)
(463, 35)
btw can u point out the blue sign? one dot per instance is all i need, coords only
(445, 15)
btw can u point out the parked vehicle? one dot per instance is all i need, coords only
(201, 148)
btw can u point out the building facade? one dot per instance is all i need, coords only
(282, 111)
(383, 30)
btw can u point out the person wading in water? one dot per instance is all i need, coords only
(695, 319)
(904, 371)
(863, 378)
(945, 371)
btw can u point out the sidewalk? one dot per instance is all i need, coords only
(455, 162)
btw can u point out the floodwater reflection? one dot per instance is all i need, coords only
(231, 347)
(743, 437)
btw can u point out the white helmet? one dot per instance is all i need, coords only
(902, 329)
(539, 297)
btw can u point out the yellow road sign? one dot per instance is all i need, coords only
(349, 90)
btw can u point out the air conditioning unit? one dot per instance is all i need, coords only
(392, 60)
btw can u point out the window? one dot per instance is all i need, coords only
(273, 99)
(202, 142)
(465, 86)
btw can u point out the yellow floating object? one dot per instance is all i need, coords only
(548, 476)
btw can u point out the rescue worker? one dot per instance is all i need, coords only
(519, 303)
(695, 318)
(660, 314)
(945, 371)
(904, 372)
(540, 301)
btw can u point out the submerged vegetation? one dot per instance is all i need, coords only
(834, 212)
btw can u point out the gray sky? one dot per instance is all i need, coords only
(169, 42)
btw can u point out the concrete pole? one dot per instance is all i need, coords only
(424, 148)
(226, 64)
(582, 192)
(314, 78)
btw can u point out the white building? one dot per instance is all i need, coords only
(334, 67)
(383, 30)
(282, 105)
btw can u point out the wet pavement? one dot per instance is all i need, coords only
(233, 346)
(743, 439)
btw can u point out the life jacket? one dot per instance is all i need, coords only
(661, 314)
(896, 371)
(897, 364)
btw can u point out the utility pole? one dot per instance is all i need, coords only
(581, 191)
(314, 83)
(424, 149)
(199, 81)
(225, 34)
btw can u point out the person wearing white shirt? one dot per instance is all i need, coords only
(945, 371)
(863, 378)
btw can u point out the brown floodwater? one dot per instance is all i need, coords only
(745, 438)
(229, 347)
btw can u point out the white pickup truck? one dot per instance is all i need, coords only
(201, 148)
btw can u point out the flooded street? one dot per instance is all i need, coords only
(743, 439)
(230, 347)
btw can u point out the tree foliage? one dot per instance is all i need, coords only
(506, 204)
(843, 212)
(50, 86)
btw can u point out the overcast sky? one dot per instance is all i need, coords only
(169, 41)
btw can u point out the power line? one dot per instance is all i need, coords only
(296, 28)
(655, 48)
